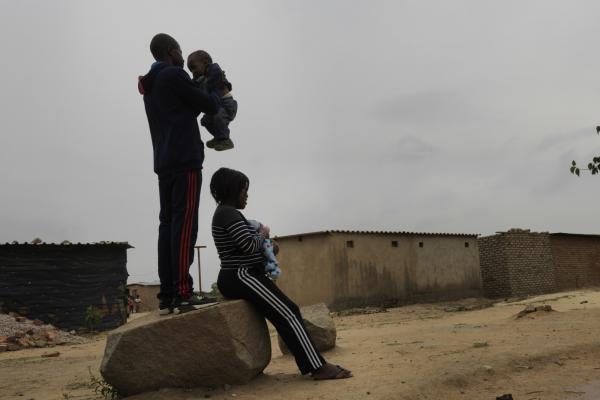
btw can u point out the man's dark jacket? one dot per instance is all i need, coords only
(173, 102)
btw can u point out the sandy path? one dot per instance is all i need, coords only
(414, 352)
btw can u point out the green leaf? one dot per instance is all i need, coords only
(572, 170)
(590, 166)
(573, 163)
(577, 171)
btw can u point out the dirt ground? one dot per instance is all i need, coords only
(426, 351)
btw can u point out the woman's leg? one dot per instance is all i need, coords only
(277, 308)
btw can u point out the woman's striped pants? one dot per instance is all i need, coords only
(253, 286)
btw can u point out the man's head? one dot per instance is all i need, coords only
(198, 62)
(166, 49)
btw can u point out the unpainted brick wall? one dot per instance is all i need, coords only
(494, 268)
(529, 257)
(576, 260)
(516, 263)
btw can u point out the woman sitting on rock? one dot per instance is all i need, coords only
(242, 274)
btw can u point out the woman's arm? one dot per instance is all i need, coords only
(244, 237)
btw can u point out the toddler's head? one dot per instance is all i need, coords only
(198, 62)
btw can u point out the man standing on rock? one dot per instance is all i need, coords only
(173, 103)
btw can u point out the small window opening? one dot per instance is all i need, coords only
(466, 244)
(350, 243)
(420, 244)
(394, 243)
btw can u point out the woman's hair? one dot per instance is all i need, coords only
(227, 184)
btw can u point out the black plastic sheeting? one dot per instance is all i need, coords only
(56, 284)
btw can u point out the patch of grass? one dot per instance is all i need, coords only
(78, 385)
(103, 388)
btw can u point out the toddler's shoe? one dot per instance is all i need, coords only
(220, 144)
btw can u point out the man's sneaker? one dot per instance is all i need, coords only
(220, 144)
(165, 306)
(193, 302)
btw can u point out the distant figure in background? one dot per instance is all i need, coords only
(138, 303)
(200, 64)
(129, 305)
(173, 103)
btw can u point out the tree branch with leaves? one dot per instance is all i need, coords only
(593, 166)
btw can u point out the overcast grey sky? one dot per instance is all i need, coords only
(440, 116)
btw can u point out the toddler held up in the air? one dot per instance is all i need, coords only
(200, 64)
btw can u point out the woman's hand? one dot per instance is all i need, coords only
(265, 230)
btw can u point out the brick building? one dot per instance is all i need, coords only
(576, 260)
(520, 262)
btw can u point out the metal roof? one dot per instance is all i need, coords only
(575, 234)
(67, 243)
(399, 233)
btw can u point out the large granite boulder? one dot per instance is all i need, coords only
(320, 327)
(223, 343)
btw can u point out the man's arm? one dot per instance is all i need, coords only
(199, 100)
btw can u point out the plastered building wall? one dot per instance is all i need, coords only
(347, 270)
(147, 295)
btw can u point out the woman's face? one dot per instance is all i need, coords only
(243, 200)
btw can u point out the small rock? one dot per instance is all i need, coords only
(20, 319)
(547, 307)
(53, 354)
(51, 336)
(480, 344)
(583, 302)
(40, 343)
(72, 332)
(454, 308)
(524, 367)
(12, 347)
(488, 368)
(38, 322)
(505, 397)
(529, 309)
(24, 342)
(19, 334)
